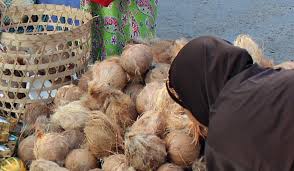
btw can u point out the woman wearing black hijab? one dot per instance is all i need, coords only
(249, 110)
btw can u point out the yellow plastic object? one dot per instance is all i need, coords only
(12, 164)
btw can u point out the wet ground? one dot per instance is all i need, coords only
(269, 22)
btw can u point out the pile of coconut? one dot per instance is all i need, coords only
(119, 117)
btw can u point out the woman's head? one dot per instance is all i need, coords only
(200, 71)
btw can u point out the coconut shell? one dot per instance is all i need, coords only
(116, 162)
(84, 80)
(133, 90)
(159, 73)
(71, 116)
(170, 167)
(45, 125)
(136, 59)
(34, 110)
(146, 100)
(51, 146)
(45, 165)
(103, 136)
(181, 148)
(75, 138)
(67, 94)
(161, 51)
(145, 151)
(25, 149)
(111, 73)
(80, 160)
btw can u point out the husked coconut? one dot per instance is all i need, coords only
(170, 167)
(67, 94)
(111, 73)
(103, 136)
(136, 59)
(80, 160)
(145, 151)
(146, 100)
(45, 165)
(34, 110)
(117, 162)
(51, 146)
(71, 116)
(158, 73)
(75, 138)
(133, 90)
(25, 149)
(84, 80)
(182, 150)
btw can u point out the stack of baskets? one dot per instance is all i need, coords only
(42, 48)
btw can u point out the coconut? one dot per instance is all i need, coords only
(170, 167)
(51, 146)
(75, 138)
(85, 79)
(44, 124)
(26, 148)
(67, 94)
(136, 59)
(177, 47)
(199, 165)
(181, 148)
(287, 65)
(111, 73)
(246, 42)
(161, 51)
(133, 90)
(71, 116)
(151, 122)
(103, 136)
(158, 73)
(117, 162)
(45, 165)
(96, 169)
(34, 110)
(146, 100)
(80, 160)
(145, 151)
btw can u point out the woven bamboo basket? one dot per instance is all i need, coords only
(42, 48)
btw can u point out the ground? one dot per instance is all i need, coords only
(269, 22)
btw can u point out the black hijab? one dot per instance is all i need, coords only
(200, 71)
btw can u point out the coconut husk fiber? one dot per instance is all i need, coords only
(285, 65)
(25, 149)
(45, 165)
(161, 51)
(84, 80)
(75, 138)
(51, 146)
(199, 165)
(96, 169)
(136, 59)
(80, 160)
(34, 110)
(133, 90)
(67, 94)
(159, 73)
(71, 116)
(246, 42)
(182, 150)
(170, 167)
(103, 136)
(45, 125)
(146, 100)
(117, 162)
(177, 47)
(145, 151)
(111, 73)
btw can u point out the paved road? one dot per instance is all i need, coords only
(270, 22)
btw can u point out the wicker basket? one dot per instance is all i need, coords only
(43, 47)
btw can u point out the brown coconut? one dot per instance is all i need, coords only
(71, 116)
(177, 47)
(136, 59)
(51, 146)
(117, 162)
(96, 169)
(146, 100)
(75, 138)
(45, 165)
(111, 73)
(158, 73)
(25, 149)
(67, 94)
(145, 151)
(34, 110)
(170, 167)
(199, 165)
(161, 51)
(133, 90)
(84, 80)
(102, 134)
(80, 160)
(182, 150)
(45, 125)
